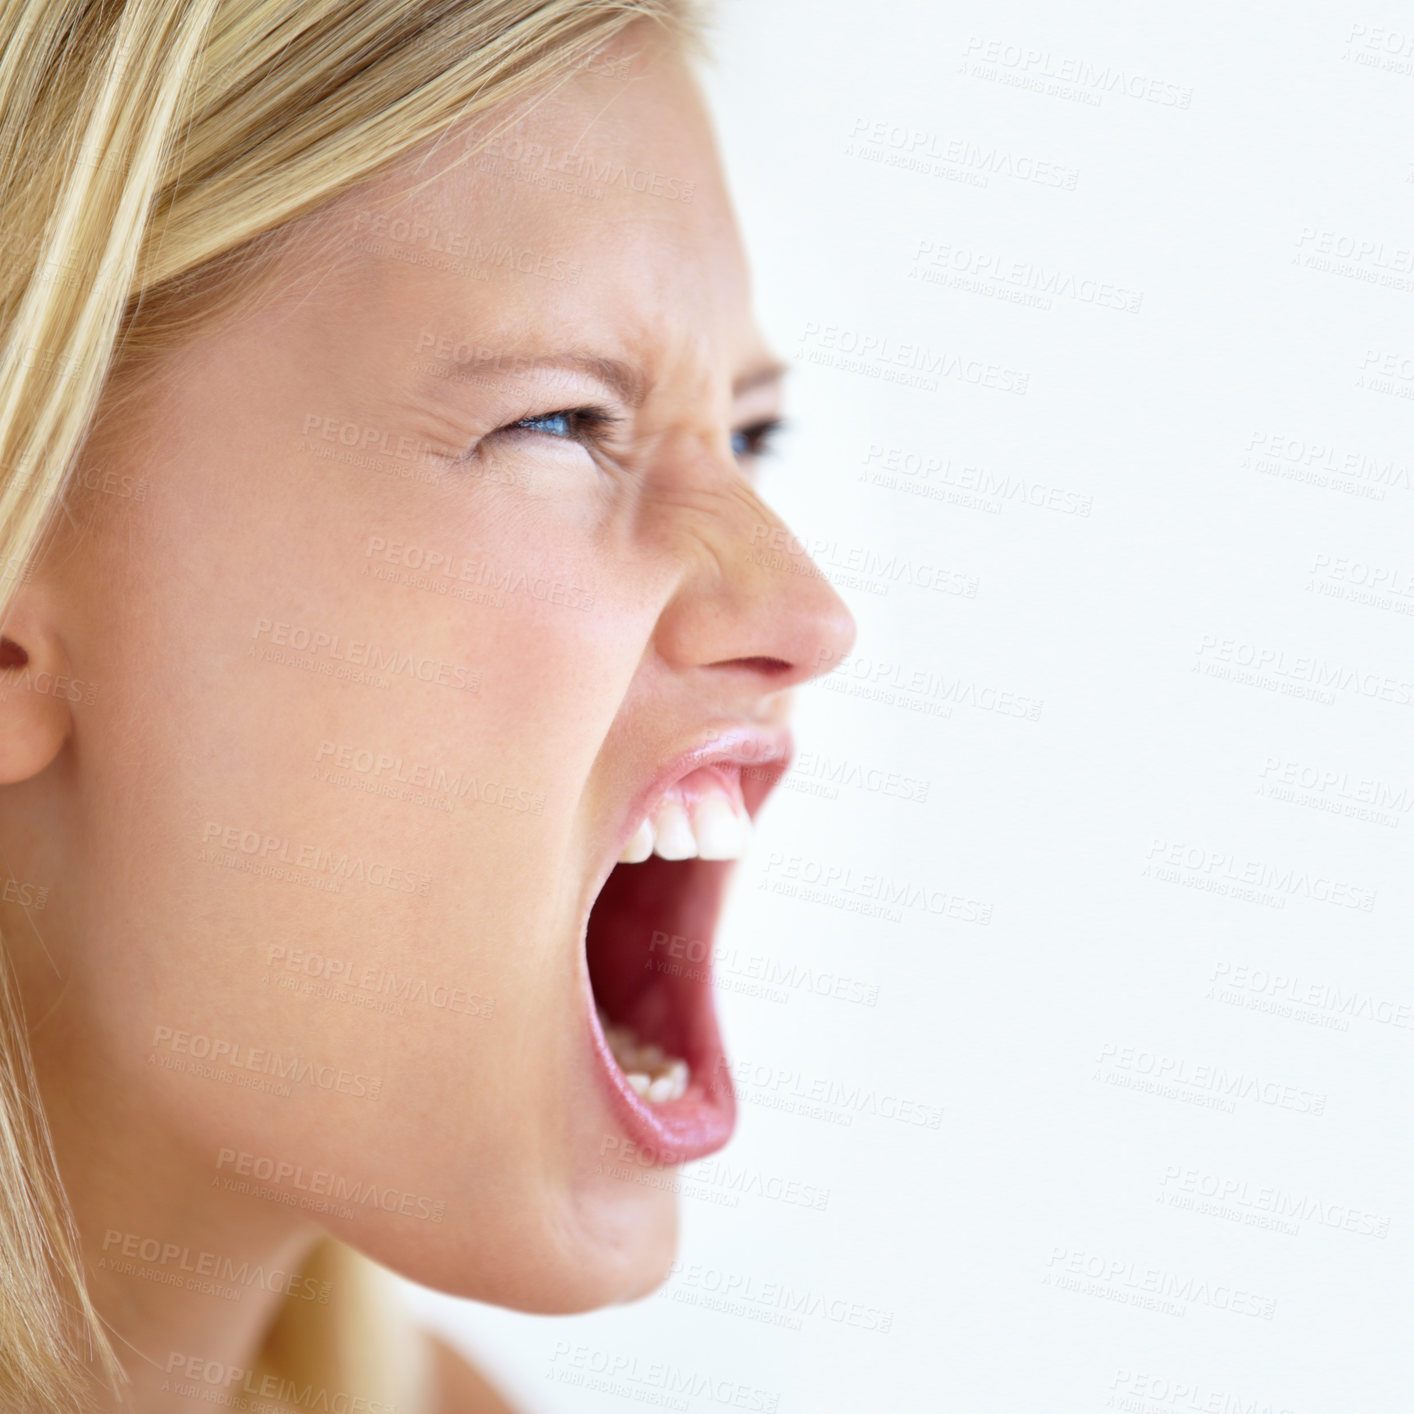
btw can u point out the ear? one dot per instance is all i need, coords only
(36, 691)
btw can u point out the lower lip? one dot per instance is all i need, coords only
(677, 1131)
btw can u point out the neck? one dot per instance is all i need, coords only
(186, 1275)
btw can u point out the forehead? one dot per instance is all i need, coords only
(599, 208)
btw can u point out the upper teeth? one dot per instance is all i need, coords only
(709, 826)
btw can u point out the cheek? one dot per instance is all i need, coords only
(344, 793)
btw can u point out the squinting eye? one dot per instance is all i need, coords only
(757, 440)
(569, 424)
(556, 423)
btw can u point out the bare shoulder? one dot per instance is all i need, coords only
(460, 1388)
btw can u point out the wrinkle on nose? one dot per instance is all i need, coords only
(750, 600)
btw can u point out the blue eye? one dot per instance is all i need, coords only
(556, 424)
(586, 425)
(757, 440)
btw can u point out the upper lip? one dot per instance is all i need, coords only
(767, 750)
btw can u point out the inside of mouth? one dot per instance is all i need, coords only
(648, 949)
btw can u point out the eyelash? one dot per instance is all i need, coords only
(591, 425)
(761, 437)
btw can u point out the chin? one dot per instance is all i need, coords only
(550, 1258)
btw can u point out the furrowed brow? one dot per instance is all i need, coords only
(758, 377)
(626, 382)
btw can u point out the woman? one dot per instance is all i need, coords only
(391, 674)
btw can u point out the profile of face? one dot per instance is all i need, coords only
(398, 609)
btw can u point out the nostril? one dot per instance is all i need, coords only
(11, 654)
(773, 667)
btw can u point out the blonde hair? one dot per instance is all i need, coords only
(152, 154)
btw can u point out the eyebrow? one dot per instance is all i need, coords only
(626, 381)
(771, 372)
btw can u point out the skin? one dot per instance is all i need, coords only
(156, 606)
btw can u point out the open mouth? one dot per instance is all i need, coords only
(648, 949)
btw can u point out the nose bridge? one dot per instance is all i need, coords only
(751, 596)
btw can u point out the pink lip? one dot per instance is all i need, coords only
(702, 1121)
(763, 753)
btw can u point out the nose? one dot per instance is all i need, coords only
(752, 604)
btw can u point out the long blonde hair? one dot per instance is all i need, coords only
(152, 152)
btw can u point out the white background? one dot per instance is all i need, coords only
(1172, 1166)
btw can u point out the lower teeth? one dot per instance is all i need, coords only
(653, 1075)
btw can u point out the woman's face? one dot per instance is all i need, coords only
(376, 686)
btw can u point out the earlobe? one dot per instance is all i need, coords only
(36, 695)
